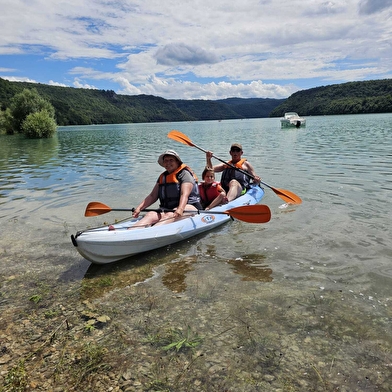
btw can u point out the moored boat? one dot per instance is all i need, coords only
(292, 120)
(101, 245)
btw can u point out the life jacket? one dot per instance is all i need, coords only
(230, 173)
(170, 188)
(208, 194)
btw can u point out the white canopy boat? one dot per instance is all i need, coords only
(115, 242)
(292, 120)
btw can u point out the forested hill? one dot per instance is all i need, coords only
(373, 96)
(75, 106)
(228, 108)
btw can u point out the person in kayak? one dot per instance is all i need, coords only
(211, 192)
(176, 189)
(234, 182)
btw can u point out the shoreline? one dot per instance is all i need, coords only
(104, 334)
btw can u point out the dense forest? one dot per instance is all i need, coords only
(373, 96)
(75, 106)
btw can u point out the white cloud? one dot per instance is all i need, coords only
(182, 54)
(19, 79)
(199, 49)
(78, 84)
(373, 6)
(52, 83)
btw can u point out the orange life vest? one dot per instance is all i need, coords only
(170, 188)
(209, 193)
(232, 174)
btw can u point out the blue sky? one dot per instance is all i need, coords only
(196, 49)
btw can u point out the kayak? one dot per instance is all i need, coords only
(115, 242)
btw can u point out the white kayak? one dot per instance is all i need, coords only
(101, 245)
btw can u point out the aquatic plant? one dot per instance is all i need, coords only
(179, 340)
(16, 379)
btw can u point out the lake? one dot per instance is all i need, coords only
(337, 244)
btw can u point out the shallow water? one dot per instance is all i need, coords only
(338, 240)
(339, 165)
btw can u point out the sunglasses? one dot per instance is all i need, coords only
(235, 150)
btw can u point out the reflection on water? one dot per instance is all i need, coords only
(175, 274)
(251, 268)
(101, 279)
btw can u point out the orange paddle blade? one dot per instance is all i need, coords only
(96, 208)
(257, 213)
(180, 137)
(287, 196)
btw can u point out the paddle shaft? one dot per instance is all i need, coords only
(257, 213)
(169, 210)
(229, 164)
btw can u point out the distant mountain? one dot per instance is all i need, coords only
(373, 96)
(252, 107)
(75, 106)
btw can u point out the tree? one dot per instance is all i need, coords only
(26, 103)
(6, 122)
(39, 125)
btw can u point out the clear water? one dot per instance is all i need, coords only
(339, 165)
(315, 281)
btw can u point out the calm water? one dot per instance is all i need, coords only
(339, 165)
(314, 285)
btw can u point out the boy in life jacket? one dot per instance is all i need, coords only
(234, 182)
(211, 192)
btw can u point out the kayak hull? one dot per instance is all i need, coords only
(103, 246)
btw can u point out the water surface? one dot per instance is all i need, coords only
(337, 241)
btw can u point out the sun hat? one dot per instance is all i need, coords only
(169, 152)
(236, 145)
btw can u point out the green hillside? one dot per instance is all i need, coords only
(75, 106)
(252, 107)
(373, 96)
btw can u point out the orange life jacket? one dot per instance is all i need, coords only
(232, 174)
(209, 193)
(170, 188)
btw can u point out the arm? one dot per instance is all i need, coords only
(249, 168)
(217, 168)
(186, 189)
(150, 199)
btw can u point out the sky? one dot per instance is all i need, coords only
(199, 49)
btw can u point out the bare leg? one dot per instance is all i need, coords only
(169, 217)
(217, 201)
(149, 219)
(235, 190)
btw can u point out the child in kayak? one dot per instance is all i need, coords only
(211, 192)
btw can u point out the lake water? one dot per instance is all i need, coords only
(339, 240)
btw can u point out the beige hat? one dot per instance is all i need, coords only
(236, 145)
(169, 152)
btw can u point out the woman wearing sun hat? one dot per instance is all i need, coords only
(176, 189)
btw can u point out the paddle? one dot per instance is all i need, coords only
(257, 213)
(287, 196)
